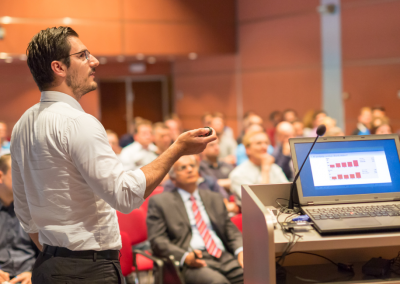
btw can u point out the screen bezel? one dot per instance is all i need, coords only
(338, 199)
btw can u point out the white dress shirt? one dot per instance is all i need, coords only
(249, 173)
(135, 156)
(67, 181)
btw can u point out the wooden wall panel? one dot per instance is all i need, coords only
(176, 38)
(264, 92)
(253, 10)
(98, 9)
(371, 31)
(285, 42)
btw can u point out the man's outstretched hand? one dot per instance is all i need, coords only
(191, 142)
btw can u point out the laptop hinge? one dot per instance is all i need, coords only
(311, 203)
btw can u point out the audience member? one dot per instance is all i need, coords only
(298, 128)
(284, 131)
(226, 142)
(308, 122)
(383, 128)
(275, 117)
(249, 118)
(334, 131)
(204, 182)
(127, 138)
(17, 252)
(206, 119)
(364, 122)
(241, 155)
(212, 166)
(142, 151)
(227, 130)
(162, 137)
(175, 126)
(260, 167)
(113, 140)
(289, 115)
(318, 118)
(4, 143)
(378, 111)
(194, 226)
(329, 122)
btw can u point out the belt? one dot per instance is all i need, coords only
(84, 254)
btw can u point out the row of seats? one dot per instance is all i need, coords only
(133, 230)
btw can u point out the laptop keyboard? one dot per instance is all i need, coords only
(355, 212)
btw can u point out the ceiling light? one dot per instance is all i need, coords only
(103, 60)
(120, 58)
(151, 60)
(3, 55)
(8, 60)
(192, 55)
(140, 56)
(6, 20)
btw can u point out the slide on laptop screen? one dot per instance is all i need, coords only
(348, 168)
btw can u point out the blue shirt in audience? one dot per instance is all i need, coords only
(241, 155)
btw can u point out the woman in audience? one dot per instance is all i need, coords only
(384, 128)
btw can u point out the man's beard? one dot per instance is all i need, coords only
(79, 86)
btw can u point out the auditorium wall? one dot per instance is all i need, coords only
(278, 63)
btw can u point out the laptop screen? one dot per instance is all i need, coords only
(349, 167)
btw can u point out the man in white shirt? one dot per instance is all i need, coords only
(67, 180)
(142, 151)
(259, 168)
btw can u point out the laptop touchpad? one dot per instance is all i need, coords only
(362, 222)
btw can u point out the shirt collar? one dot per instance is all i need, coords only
(186, 195)
(10, 208)
(53, 96)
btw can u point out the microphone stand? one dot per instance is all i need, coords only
(291, 198)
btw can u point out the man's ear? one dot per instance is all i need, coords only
(59, 68)
(1, 177)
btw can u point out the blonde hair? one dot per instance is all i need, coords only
(248, 136)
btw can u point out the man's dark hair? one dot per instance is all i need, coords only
(4, 160)
(45, 47)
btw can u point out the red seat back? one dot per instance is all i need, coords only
(159, 189)
(237, 220)
(134, 224)
(126, 254)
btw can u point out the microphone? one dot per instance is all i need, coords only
(320, 131)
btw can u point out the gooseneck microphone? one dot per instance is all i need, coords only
(320, 131)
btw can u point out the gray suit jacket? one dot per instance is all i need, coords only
(169, 230)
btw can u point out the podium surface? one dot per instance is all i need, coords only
(261, 241)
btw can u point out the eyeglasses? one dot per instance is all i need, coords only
(86, 52)
(184, 167)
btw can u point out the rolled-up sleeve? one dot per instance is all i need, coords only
(86, 142)
(20, 201)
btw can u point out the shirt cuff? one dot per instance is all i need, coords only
(183, 259)
(237, 251)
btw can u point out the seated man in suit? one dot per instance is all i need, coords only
(193, 226)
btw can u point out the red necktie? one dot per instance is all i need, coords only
(211, 247)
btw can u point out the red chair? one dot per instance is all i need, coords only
(126, 259)
(237, 220)
(134, 231)
(159, 189)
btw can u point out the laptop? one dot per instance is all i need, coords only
(349, 184)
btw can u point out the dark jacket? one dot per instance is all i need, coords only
(169, 230)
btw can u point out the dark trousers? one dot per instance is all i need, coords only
(224, 270)
(50, 269)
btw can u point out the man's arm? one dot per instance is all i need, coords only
(87, 144)
(21, 206)
(35, 239)
(188, 143)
